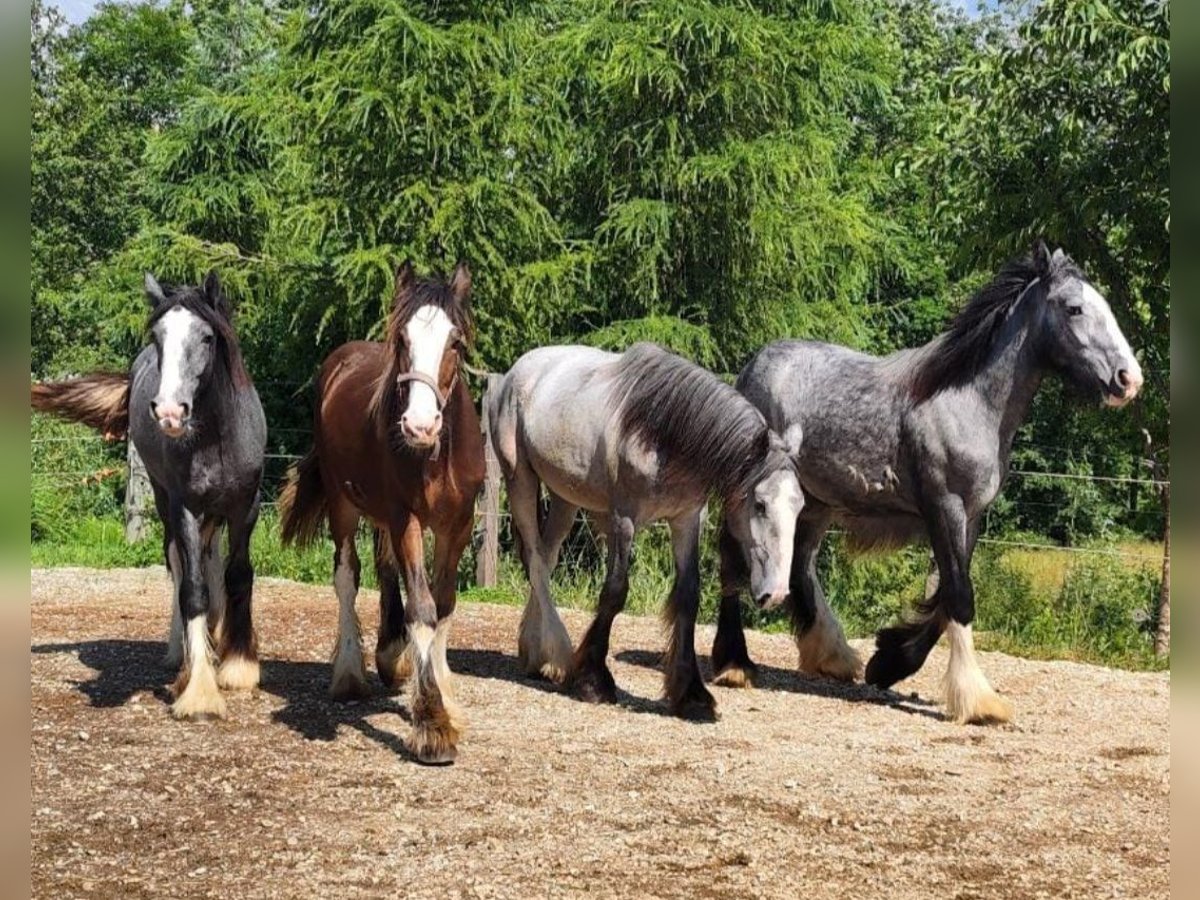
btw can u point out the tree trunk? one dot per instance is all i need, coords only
(1162, 637)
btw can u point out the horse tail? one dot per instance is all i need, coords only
(302, 503)
(99, 400)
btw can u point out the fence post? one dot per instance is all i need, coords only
(487, 559)
(137, 497)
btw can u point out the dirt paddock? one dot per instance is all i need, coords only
(802, 789)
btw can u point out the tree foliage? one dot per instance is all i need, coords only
(709, 175)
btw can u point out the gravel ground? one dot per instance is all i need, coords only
(803, 788)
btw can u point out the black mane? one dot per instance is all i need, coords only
(703, 428)
(218, 314)
(956, 357)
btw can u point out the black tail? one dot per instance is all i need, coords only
(302, 504)
(99, 400)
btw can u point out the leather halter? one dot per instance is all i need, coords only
(442, 400)
(431, 383)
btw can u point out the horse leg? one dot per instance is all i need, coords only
(173, 658)
(969, 698)
(435, 732)
(214, 578)
(730, 658)
(591, 678)
(391, 662)
(195, 688)
(819, 636)
(349, 680)
(686, 694)
(447, 551)
(239, 670)
(902, 649)
(543, 645)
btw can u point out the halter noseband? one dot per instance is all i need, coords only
(431, 383)
(442, 399)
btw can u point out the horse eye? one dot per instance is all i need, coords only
(207, 339)
(1074, 310)
(760, 508)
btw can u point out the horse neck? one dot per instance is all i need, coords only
(1007, 383)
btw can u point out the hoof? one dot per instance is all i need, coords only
(988, 708)
(841, 667)
(349, 686)
(199, 703)
(553, 665)
(594, 686)
(394, 666)
(735, 675)
(694, 702)
(237, 673)
(553, 673)
(434, 744)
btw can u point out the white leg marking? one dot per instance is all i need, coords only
(969, 697)
(174, 657)
(543, 643)
(200, 697)
(823, 648)
(349, 669)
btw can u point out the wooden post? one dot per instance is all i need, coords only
(487, 557)
(1162, 637)
(138, 498)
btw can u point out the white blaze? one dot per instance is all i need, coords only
(428, 331)
(176, 326)
(1100, 308)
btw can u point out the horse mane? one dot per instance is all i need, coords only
(411, 293)
(955, 357)
(702, 427)
(218, 314)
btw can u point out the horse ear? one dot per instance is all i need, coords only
(460, 282)
(1041, 257)
(212, 287)
(154, 292)
(404, 275)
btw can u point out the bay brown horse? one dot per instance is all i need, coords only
(397, 439)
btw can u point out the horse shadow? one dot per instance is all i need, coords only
(503, 667)
(124, 668)
(773, 678)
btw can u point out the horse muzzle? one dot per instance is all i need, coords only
(1123, 387)
(172, 418)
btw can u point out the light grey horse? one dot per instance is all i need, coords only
(191, 410)
(637, 437)
(917, 444)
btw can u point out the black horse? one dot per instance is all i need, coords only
(194, 416)
(915, 445)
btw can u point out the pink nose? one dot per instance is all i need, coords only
(1130, 381)
(170, 416)
(421, 431)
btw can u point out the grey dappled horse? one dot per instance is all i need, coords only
(192, 412)
(637, 437)
(917, 444)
